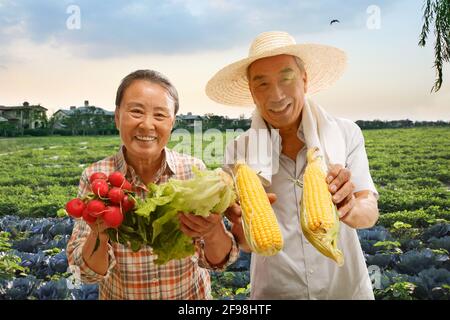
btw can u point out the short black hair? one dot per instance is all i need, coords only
(153, 77)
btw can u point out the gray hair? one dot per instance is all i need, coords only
(300, 64)
(153, 77)
(298, 61)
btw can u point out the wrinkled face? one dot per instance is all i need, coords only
(278, 88)
(145, 119)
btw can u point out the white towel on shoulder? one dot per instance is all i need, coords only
(260, 147)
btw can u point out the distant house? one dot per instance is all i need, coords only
(211, 121)
(241, 123)
(187, 121)
(87, 115)
(25, 116)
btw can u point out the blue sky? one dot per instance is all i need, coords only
(111, 28)
(42, 61)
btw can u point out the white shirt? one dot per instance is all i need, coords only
(299, 271)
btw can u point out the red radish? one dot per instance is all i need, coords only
(116, 195)
(127, 204)
(113, 217)
(75, 208)
(127, 186)
(96, 208)
(88, 218)
(100, 187)
(116, 179)
(97, 175)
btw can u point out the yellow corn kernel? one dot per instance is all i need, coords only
(261, 228)
(318, 199)
(318, 214)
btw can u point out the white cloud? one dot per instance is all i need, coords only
(134, 9)
(120, 28)
(388, 77)
(17, 30)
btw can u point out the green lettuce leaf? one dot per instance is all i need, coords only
(155, 221)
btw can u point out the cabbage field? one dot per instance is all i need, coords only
(407, 252)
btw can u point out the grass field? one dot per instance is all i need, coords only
(410, 168)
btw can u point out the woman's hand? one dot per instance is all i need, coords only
(200, 227)
(98, 229)
(95, 249)
(217, 243)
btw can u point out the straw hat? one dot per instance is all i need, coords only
(324, 65)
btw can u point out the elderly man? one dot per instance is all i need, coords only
(276, 77)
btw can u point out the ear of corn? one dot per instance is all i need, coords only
(260, 224)
(318, 214)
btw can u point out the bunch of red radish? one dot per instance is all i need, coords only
(111, 198)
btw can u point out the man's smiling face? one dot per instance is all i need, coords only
(278, 88)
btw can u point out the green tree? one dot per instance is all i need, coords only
(50, 124)
(8, 130)
(437, 11)
(87, 120)
(73, 122)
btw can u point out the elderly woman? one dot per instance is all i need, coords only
(146, 105)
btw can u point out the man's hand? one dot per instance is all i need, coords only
(234, 214)
(342, 188)
(357, 210)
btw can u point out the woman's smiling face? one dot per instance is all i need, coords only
(145, 119)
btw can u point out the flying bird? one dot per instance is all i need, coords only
(333, 21)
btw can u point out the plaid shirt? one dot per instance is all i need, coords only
(133, 275)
